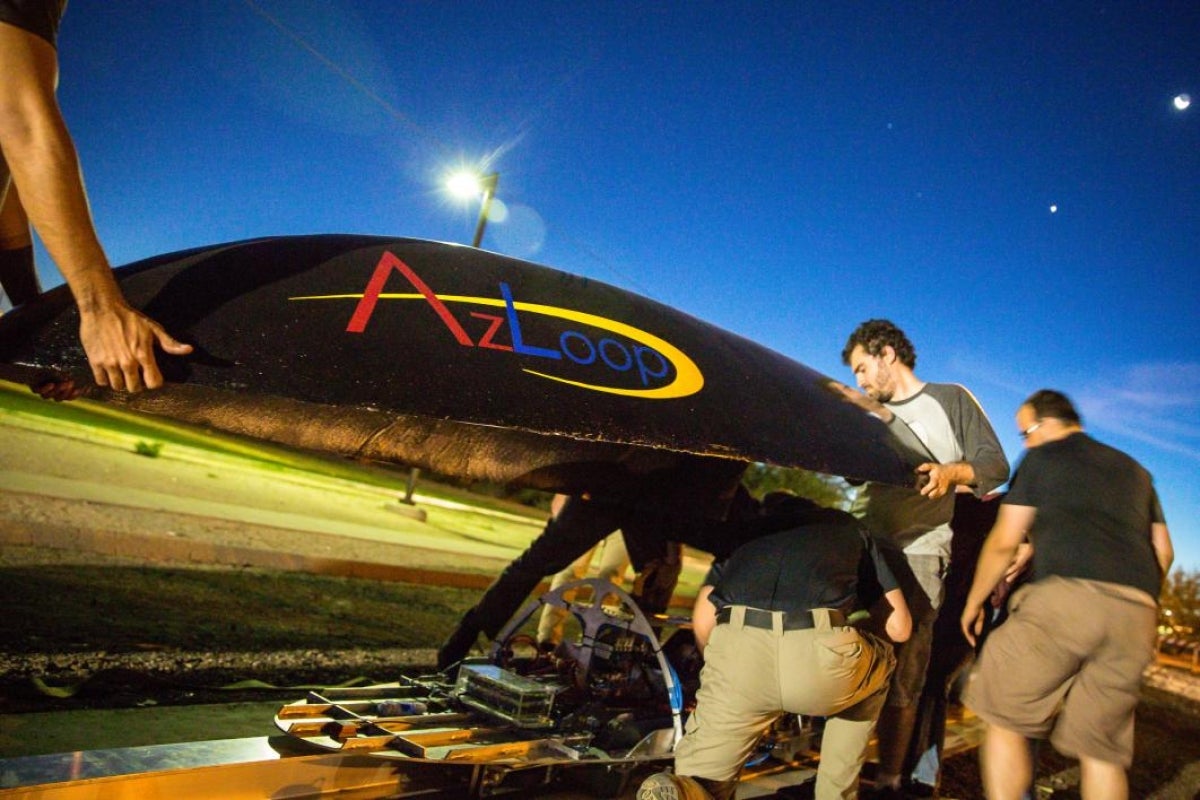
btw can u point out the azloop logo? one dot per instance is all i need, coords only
(627, 349)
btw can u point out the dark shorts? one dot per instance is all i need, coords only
(39, 17)
(1067, 665)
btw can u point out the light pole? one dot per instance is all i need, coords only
(466, 185)
(470, 184)
(488, 185)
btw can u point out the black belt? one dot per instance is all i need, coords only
(794, 621)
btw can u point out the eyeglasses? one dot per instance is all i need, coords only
(1025, 433)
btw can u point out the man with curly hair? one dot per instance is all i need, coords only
(912, 524)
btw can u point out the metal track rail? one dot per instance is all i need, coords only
(280, 767)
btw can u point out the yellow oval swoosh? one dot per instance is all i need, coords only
(688, 378)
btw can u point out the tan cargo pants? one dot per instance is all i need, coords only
(751, 676)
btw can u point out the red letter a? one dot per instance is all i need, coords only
(366, 306)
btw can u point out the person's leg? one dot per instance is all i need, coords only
(920, 578)
(840, 673)
(844, 747)
(718, 790)
(895, 732)
(655, 582)
(923, 764)
(1026, 679)
(949, 655)
(550, 625)
(18, 273)
(1096, 724)
(737, 699)
(1005, 764)
(1102, 780)
(573, 531)
(614, 559)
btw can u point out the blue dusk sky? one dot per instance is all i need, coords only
(1010, 182)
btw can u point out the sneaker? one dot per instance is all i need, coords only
(667, 786)
(659, 786)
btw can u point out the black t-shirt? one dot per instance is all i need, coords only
(825, 559)
(1095, 506)
(39, 17)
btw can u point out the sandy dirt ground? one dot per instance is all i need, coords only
(1167, 765)
(55, 506)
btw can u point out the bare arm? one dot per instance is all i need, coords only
(119, 341)
(944, 478)
(704, 617)
(899, 622)
(855, 397)
(999, 552)
(1020, 562)
(983, 466)
(1164, 551)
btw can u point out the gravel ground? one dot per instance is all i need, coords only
(1167, 762)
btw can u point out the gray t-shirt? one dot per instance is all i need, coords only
(952, 426)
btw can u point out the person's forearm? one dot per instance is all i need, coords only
(46, 171)
(993, 563)
(44, 166)
(962, 473)
(1164, 551)
(119, 341)
(1013, 523)
(898, 625)
(704, 617)
(941, 479)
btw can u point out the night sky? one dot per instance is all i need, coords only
(1009, 182)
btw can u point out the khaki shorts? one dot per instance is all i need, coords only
(1067, 665)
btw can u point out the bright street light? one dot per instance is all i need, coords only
(466, 185)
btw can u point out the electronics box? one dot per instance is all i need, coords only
(506, 695)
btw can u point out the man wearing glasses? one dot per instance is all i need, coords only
(912, 525)
(1067, 665)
